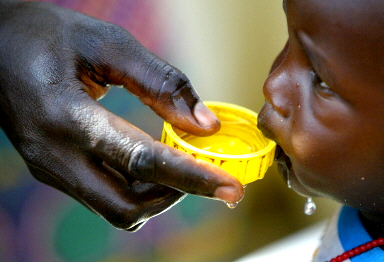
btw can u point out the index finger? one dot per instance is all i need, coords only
(116, 57)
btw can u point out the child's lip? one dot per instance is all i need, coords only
(280, 156)
(278, 152)
(283, 170)
(283, 162)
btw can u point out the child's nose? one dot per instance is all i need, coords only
(278, 91)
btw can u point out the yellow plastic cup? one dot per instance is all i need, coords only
(239, 147)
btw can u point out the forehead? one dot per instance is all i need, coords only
(351, 15)
(348, 32)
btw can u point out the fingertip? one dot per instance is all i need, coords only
(229, 194)
(228, 188)
(206, 118)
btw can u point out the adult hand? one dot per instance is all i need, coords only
(54, 64)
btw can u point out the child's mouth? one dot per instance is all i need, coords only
(283, 164)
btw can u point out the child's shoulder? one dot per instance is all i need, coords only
(345, 232)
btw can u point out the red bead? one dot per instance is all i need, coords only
(381, 241)
(356, 250)
(362, 248)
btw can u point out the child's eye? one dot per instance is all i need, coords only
(321, 86)
(319, 82)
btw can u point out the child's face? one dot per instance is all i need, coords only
(325, 101)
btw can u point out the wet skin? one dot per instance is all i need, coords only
(54, 65)
(325, 104)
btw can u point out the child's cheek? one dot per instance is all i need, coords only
(306, 146)
(314, 152)
(301, 145)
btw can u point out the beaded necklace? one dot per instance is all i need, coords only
(358, 250)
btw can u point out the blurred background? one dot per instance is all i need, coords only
(226, 49)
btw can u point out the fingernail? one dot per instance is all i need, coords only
(227, 194)
(204, 116)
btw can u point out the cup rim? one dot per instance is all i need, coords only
(270, 146)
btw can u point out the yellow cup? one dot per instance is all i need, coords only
(239, 147)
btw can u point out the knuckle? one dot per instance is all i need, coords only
(177, 78)
(119, 154)
(181, 89)
(182, 84)
(142, 161)
(173, 86)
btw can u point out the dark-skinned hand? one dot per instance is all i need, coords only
(54, 65)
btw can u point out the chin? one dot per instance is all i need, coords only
(286, 170)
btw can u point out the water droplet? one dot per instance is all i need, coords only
(289, 184)
(232, 205)
(309, 207)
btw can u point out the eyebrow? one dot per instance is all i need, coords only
(314, 54)
(317, 58)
